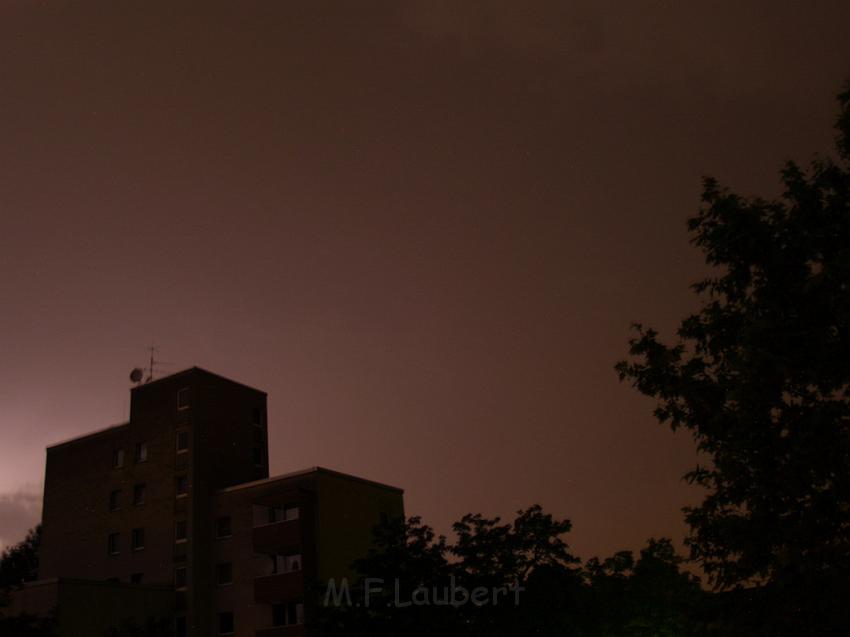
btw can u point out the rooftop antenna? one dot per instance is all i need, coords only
(152, 351)
(137, 375)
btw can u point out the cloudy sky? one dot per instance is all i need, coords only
(422, 227)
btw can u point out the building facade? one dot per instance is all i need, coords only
(180, 496)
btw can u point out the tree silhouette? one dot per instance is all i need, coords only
(19, 563)
(556, 597)
(761, 378)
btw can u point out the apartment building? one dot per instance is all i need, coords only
(180, 497)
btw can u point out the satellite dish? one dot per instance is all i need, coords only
(136, 375)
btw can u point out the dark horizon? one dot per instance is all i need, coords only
(423, 229)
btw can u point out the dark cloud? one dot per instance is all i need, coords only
(423, 227)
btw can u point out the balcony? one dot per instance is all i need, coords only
(277, 537)
(283, 631)
(270, 589)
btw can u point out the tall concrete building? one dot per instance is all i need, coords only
(179, 499)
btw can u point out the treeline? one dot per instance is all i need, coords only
(514, 578)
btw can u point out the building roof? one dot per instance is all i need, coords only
(91, 434)
(110, 428)
(195, 370)
(304, 472)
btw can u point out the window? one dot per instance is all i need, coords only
(115, 500)
(138, 539)
(295, 612)
(258, 455)
(286, 563)
(113, 544)
(225, 623)
(259, 435)
(138, 494)
(181, 486)
(291, 562)
(180, 578)
(266, 514)
(180, 626)
(118, 458)
(222, 527)
(288, 614)
(183, 398)
(180, 534)
(141, 453)
(271, 514)
(224, 573)
(257, 417)
(182, 441)
(278, 614)
(136, 578)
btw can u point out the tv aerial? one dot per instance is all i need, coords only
(137, 375)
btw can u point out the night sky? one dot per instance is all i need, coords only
(423, 227)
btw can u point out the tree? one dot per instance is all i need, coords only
(19, 563)
(528, 556)
(420, 585)
(760, 376)
(646, 597)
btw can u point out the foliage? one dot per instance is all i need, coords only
(760, 376)
(19, 563)
(616, 596)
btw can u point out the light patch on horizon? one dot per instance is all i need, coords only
(19, 512)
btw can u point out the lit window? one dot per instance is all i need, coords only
(225, 623)
(286, 563)
(115, 500)
(222, 527)
(180, 533)
(139, 494)
(180, 578)
(136, 578)
(224, 573)
(118, 458)
(141, 453)
(138, 539)
(181, 486)
(112, 544)
(182, 441)
(183, 398)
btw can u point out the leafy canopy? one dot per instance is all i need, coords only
(760, 376)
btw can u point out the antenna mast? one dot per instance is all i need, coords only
(152, 351)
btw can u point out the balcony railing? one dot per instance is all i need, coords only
(298, 630)
(270, 589)
(277, 537)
